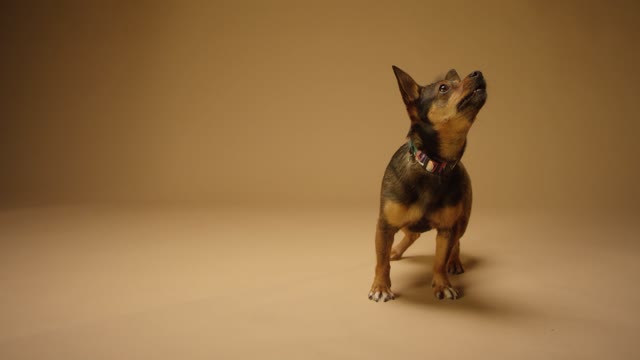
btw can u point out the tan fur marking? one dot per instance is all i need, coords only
(399, 215)
(413, 113)
(452, 127)
(442, 112)
(453, 135)
(447, 217)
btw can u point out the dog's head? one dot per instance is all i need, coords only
(442, 113)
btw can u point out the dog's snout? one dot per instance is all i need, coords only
(476, 74)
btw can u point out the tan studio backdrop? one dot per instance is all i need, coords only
(200, 179)
(294, 104)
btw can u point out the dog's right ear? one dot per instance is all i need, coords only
(409, 89)
(452, 75)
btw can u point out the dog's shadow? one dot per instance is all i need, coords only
(420, 277)
(415, 288)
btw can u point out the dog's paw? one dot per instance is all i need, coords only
(445, 292)
(381, 292)
(455, 267)
(442, 289)
(395, 255)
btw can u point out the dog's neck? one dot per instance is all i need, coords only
(442, 144)
(452, 150)
(430, 163)
(452, 142)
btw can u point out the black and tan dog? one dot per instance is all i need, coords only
(425, 186)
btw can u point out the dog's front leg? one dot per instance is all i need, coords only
(445, 243)
(381, 288)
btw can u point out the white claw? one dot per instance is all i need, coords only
(447, 293)
(451, 293)
(381, 295)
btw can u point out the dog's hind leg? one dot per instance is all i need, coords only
(454, 265)
(409, 238)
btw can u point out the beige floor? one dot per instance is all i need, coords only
(97, 283)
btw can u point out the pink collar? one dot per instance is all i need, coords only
(428, 163)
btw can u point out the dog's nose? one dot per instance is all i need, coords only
(475, 74)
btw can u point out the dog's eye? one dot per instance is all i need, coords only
(443, 88)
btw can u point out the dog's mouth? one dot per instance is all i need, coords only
(478, 96)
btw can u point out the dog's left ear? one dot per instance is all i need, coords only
(452, 75)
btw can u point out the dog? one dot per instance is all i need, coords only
(425, 186)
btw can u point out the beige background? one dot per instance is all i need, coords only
(256, 103)
(200, 179)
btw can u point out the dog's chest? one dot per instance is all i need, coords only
(419, 218)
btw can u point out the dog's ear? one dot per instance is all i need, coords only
(452, 75)
(409, 89)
